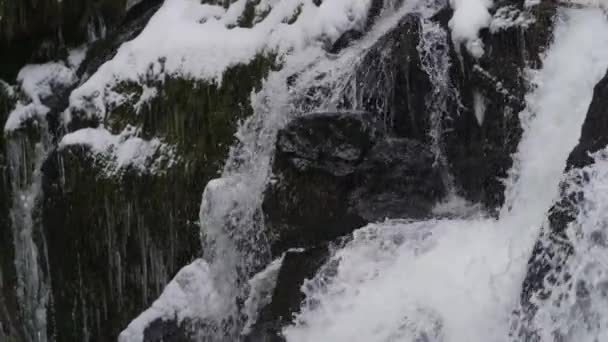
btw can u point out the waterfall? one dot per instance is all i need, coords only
(31, 263)
(456, 279)
(459, 280)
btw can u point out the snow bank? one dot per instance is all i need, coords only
(38, 82)
(192, 40)
(469, 17)
(122, 150)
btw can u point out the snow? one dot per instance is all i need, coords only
(262, 287)
(192, 40)
(38, 82)
(470, 16)
(122, 150)
(76, 56)
(189, 294)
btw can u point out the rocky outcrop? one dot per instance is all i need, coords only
(334, 172)
(393, 84)
(547, 267)
(482, 129)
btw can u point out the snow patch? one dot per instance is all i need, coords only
(123, 150)
(470, 16)
(38, 82)
(76, 56)
(199, 41)
(189, 294)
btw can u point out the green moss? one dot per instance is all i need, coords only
(115, 241)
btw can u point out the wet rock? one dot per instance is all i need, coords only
(333, 173)
(397, 179)
(393, 84)
(483, 128)
(546, 267)
(287, 298)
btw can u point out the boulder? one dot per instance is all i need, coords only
(334, 173)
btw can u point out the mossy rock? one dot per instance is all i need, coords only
(115, 240)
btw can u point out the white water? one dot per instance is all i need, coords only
(33, 287)
(459, 280)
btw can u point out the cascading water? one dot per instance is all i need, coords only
(459, 280)
(33, 288)
(436, 280)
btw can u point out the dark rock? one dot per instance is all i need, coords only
(546, 267)
(287, 298)
(392, 82)
(479, 151)
(315, 159)
(593, 134)
(334, 174)
(397, 179)
(327, 142)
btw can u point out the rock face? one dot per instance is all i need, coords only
(393, 83)
(138, 227)
(547, 267)
(10, 330)
(483, 130)
(334, 172)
